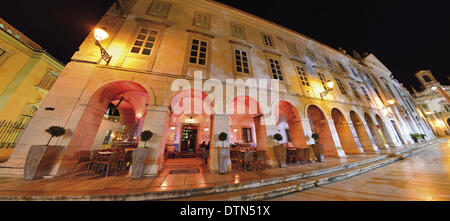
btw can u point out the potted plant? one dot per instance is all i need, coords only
(280, 151)
(415, 137)
(423, 136)
(140, 156)
(55, 131)
(146, 136)
(224, 154)
(318, 148)
(41, 159)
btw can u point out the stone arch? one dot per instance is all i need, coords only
(242, 112)
(360, 129)
(344, 132)
(384, 133)
(373, 128)
(290, 118)
(319, 125)
(132, 99)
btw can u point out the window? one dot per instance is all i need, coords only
(330, 65)
(342, 67)
(426, 79)
(247, 135)
(365, 93)
(145, 41)
(341, 86)
(302, 77)
(355, 92)
(311, 55)
(323, 80)
(48, 81)
(237, 30)
(276, 69)
(267, 40)
(354, 72)
(241, 59)
(198, 53)
(292, 50)
(159, 9)
(201, 20)
(378, 94)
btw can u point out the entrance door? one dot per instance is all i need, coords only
(189, 139)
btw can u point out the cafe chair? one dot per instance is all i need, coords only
(84, 158)
(125, 161)
(261, 158)
(249, 159)
(111, 163)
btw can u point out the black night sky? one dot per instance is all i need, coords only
(406, 36)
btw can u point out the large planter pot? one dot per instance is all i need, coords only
(318, 152)
(224, 159)
(41, 160)
(138, 162)
(280, 154)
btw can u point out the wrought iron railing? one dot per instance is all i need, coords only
(10, 132)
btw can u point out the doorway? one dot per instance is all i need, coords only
(189, 140)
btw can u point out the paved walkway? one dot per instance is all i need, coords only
(11, 188)
(423, 177)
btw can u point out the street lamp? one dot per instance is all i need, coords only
(391, 102)
(330, 85)
(442, 92)
(100, 34)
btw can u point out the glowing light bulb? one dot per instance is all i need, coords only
(100, 34)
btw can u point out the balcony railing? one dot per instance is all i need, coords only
(10, 132)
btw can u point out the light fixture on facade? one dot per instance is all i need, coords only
(235, 130)
(173, 128)
(191, 120)
(206, 129)
(429, 113)
(138, 116)
(434, 88)
(330, 85)
(391, 102)
(101, 34)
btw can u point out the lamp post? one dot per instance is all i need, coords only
(330, 85)
(100, 34)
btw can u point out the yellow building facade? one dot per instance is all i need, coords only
(27, 74)
(351, 102)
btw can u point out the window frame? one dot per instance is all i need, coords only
(354, 90)
(249, 134)
(169, 6)
(44, 83)
(142, 48)
(365, 93)
(323, 80)
(234, 24)
(208, 25)
(341, 86)
(280, 69)
(302, 73)
(264, 35)
(234, 48)
(292, 49)
(190, 48)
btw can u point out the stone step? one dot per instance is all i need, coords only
(11, 172)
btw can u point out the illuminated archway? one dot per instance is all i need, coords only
(361, 131)
(345, 134)
(319, 125)
(374, 131)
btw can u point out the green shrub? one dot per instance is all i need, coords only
(55, 131)
(146, 136)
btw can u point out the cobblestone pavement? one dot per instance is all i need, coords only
(423, 177)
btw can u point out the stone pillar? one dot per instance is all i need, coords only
(347, 138)
(157, 121)
(307, 130)
(264, 139)
(219, 123)
(335, 136)
(369, 134)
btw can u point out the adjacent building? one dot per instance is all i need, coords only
(434, 102)
(352, 102)
(27, 73)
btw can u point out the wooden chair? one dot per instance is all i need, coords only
(84, 158)
(261, 157)
(111, 163)
(249, 159)
(125, 161)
